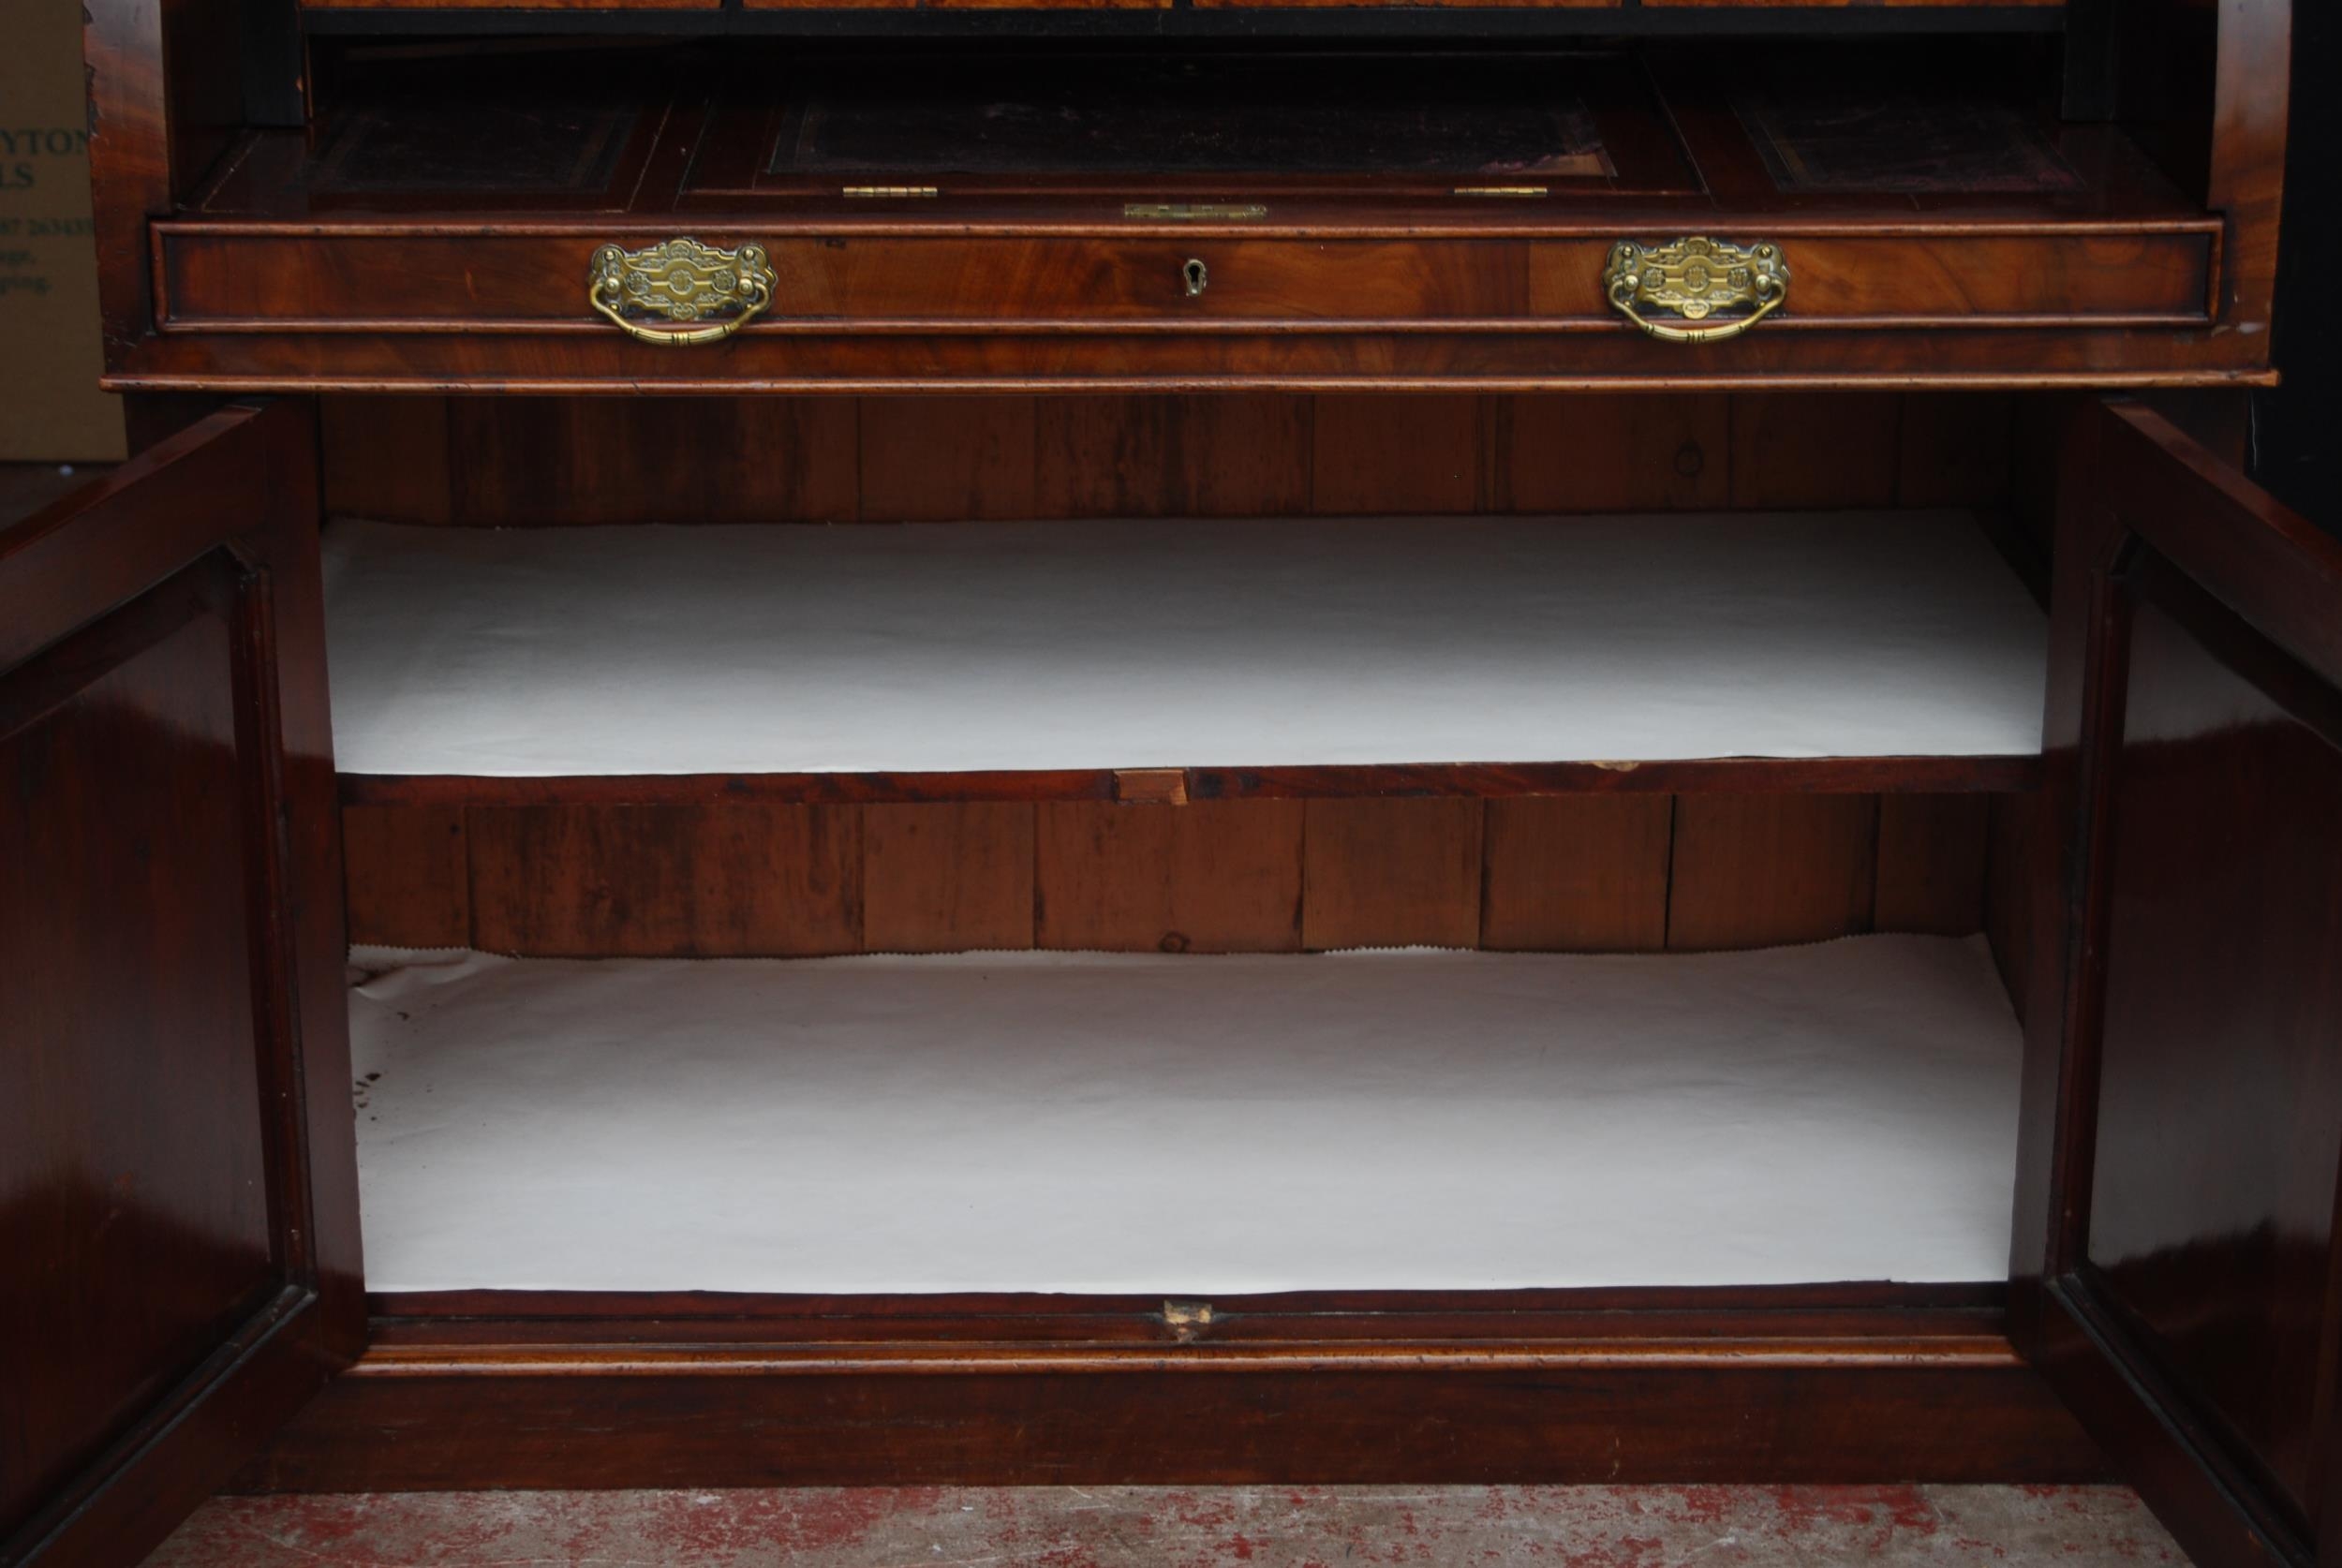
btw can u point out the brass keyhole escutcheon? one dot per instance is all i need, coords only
(1195, 275)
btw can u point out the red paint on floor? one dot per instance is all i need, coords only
(1141, 1527)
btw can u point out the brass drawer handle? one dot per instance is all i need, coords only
(1696, 278)
(683, 281)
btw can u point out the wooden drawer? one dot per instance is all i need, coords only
(1092, 219)
(213, 277)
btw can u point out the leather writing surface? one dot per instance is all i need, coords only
(1462, 115)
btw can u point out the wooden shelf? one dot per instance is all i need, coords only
(1130, 1124)
(1168, 660)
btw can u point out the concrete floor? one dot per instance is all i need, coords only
(1142, 1527)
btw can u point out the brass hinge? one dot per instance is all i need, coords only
(1503, 191)
(1194, 212)
(1187, 1319)
(908, 193)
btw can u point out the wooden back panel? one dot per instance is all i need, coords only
(1571, 873)
(523, 462)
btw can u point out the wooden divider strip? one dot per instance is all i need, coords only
(1213, 877)
(1571, 873)
(1577, 874)
(667, 880)
(1759, 870)
(1931, 852)
(1391, 873)
(408, 869)
(947, 879)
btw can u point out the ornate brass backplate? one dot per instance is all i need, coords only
(684, 282)
(1695, 278)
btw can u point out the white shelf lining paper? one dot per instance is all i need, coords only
(1031, 646)
(1143, 1123)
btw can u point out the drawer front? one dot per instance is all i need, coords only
(214, 277)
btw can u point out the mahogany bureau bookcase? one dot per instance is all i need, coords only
(1175, 740)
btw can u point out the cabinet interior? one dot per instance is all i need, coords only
(1176, 740)
(798, 126)
(1649, 962)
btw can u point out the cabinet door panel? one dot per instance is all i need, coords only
(180, 1236)
(2219, 1110)
(2191, 1278)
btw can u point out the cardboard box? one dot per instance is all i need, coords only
(51, 409)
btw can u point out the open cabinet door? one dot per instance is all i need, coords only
(178, 1169)
(2178, 1272)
